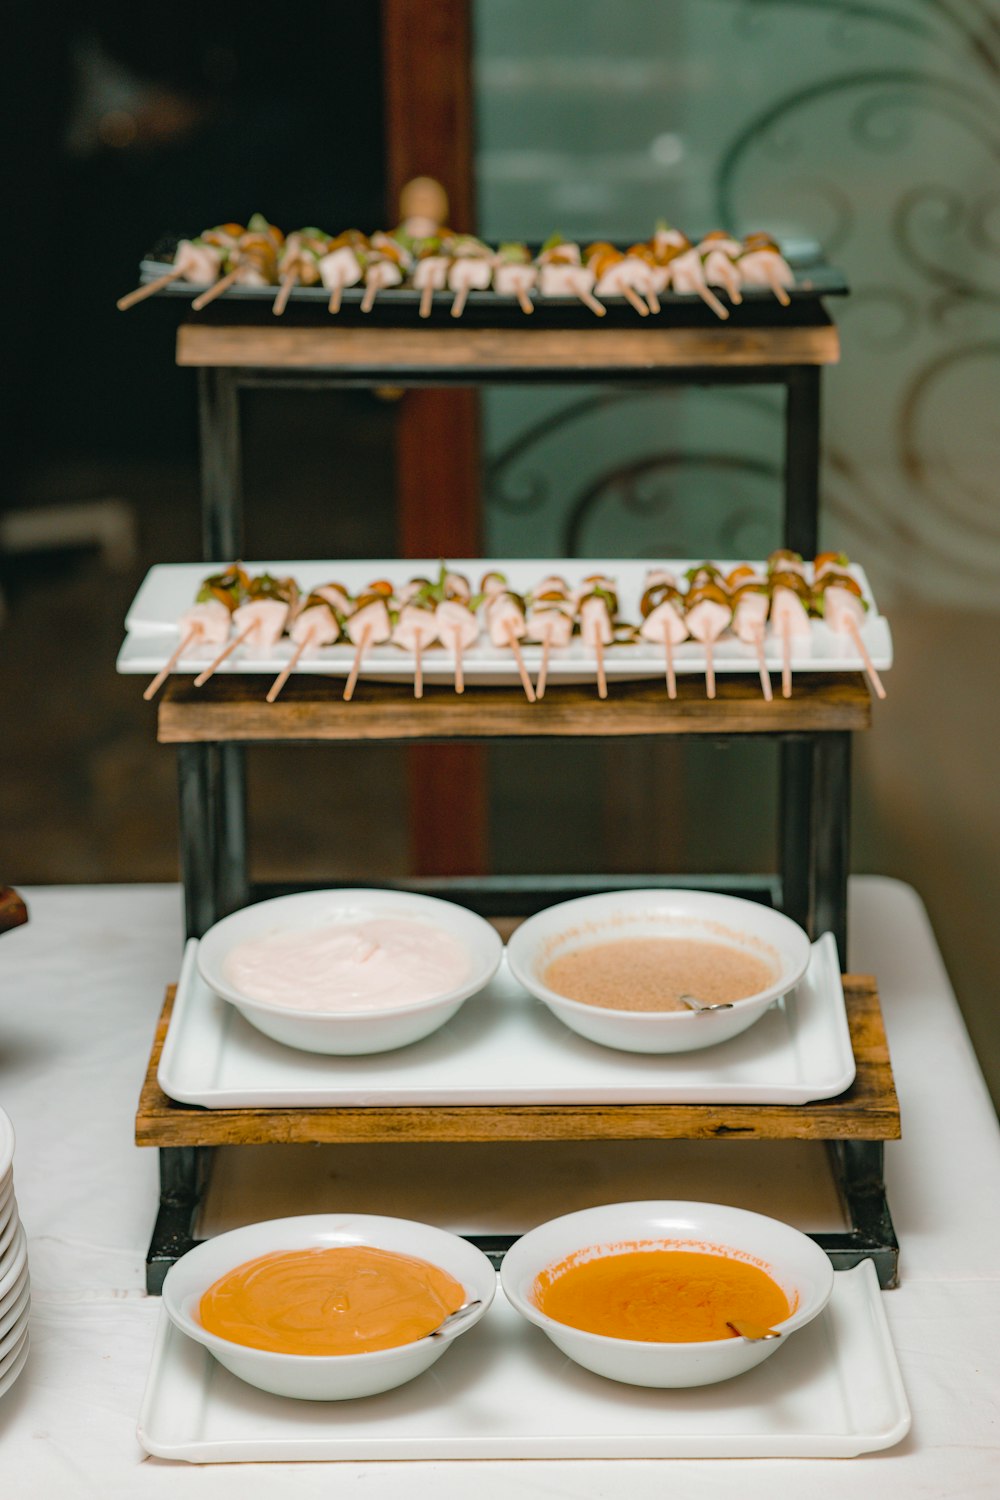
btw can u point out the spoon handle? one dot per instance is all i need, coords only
(457, 1321)
(752, 1333)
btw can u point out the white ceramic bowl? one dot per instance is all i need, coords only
(794, 1261)
(324, 1377)
(589, 920)
(357, 1031)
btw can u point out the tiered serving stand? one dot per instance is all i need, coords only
(241, 345)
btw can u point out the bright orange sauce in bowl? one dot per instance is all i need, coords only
(342, 1299)
(659, 1295)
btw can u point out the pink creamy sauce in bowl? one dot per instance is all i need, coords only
(349, 971)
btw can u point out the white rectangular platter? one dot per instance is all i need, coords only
(505, 1047)
(504, 1392)
(170, 588)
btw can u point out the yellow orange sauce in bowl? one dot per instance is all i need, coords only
(327, 1307)
(642, 1292)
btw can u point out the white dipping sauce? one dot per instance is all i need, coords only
(351, 966)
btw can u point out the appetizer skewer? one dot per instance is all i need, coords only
(707, 613)
(597, 609)
(838, 595)
(662, 609)
(316, 625)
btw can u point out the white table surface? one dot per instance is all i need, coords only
(80, 989)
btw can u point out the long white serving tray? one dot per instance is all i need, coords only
(504, 1392)
(170, 588)
(504, 1047)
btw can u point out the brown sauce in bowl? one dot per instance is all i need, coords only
(651, 974)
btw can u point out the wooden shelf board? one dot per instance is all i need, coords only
(869, 1110)
(312, 708)
(480, 351)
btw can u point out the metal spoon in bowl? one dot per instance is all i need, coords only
(456, 1321)
(752, 1333)
(702, 1006)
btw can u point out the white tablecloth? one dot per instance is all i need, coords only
(80, 989)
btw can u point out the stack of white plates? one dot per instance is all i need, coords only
(15, 1291)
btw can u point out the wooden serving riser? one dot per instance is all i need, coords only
(481, 352)
(867, 1111)
(312, 708)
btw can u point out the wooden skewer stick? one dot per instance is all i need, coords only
(543, 670)
(765, 676)
(459, 672)
(527, 306)
(356, 664)
(418, 670)
(216, 289)
(735, 295)
(336, 293)
(668, 651)
(458, 306)
(226, 651)
(776, 286)
(711, 300)
(286, 671)
(653, 301)
(368, 300)
(142, 292)
(709, 670)
(281, 300)
(873, 676)
(529, 691)
(602, 681)
(786, 659)
(589, 300)
(634, 300)
(164, 672)
(427, 300)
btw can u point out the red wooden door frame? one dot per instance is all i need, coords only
(427, 72)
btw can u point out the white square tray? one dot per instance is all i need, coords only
(169, 588)
(504, 1391)
(504, 1047)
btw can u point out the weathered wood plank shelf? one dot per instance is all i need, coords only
(312, 708)
(484, 353)
(868, 1110)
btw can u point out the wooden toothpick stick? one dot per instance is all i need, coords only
(512, 642)
(286, 671)
(142, 292)
(203, 677)
(356, 664)
(873, 677)
(215, 290)
(165, 672)
(765, 676)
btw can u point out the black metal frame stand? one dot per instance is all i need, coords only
(814, 773)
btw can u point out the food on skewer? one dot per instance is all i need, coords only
(259, 618)
(423, 207)
(343, 264)
(204, 624)
(506, 624)
(762, 264)
(458, 628)
(414, 630)
(707, 613)
(718, 251)
(471, 269)
(195, 260)
(662, 610)
(250, 258)
(597, 610)
(562, 274)
(615, 274)
(515, 273)
(454, 586)
(317, 624)
(298, 263)
(432, 262)
(838, 598)
(370, 624)
(387, 262)
(750, 596)
(549, 618)
(687, 274)
(791, 598)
